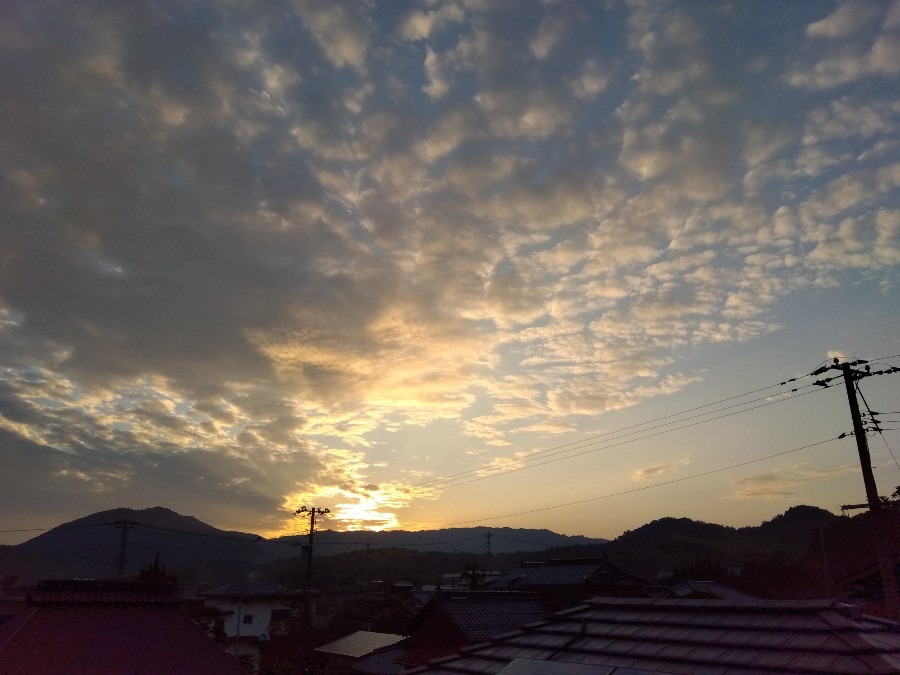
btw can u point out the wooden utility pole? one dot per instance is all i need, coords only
(859, 432)
(308, 550)
(879, 522)
(313, 512)
(123, 525)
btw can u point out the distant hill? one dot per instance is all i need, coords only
(681, 543)
(457, 540)
(794, 525)
(91, 546)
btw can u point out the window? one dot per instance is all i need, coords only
(248, 618)
(281, 615)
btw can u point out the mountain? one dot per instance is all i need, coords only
(92, 546)
(672, 544)
(459, 540)
(794, 525)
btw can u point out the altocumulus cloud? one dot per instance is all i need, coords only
(245, 246)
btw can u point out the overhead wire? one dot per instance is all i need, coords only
(531, 460)
(58, 527)
(419, 544)
(646, 487)
(675, 480)
(235, 549)
(878, 428)
(522, 466)
(202, 534)
(575, 445)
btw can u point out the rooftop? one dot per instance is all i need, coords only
(69, 592)
(567, 573)
(713, 637)
(360, 643)
(107, 628)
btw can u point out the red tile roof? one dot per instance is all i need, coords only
(113, 632)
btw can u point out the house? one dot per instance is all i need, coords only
(251, 609)
(697, 590)
(107, 627)
(573, 578)
(457, 580)
(454, 619)
(687, 636)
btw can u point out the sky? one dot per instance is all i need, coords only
(444, 263)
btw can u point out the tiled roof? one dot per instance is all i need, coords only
(708, 589)
(95, 592)
(250, 590)
(457, 618)
(360, 643)
(532, 667)
(557, 575)
(47, 639)
(564, 572)
(712, 637)
(382, 662)
(481, 616)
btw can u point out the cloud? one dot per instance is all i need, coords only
(871, 55)
(420, 24)
(548, 35)
(784, 482)
(658, 471)
(340, 31)
(295, 240)
(846, 19)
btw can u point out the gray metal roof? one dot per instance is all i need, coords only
(360, 643)
(693, 637)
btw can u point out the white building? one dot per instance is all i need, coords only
(254, 609)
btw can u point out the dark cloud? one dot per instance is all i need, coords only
(285, 239)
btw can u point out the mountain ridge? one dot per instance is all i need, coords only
(92, 545)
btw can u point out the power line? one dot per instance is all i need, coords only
(199, 534)
(851, 378)
(574, 445)
(412, 545)
(647, 487)
(58, 527)
(531, 460)
(474, 479)
(133, 523)
(877, 427)
(229, 551)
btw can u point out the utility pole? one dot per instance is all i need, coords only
(862, 444)
(313, 512)
(308, 550)
(366, 571)
(879, 524)
(123, 525)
